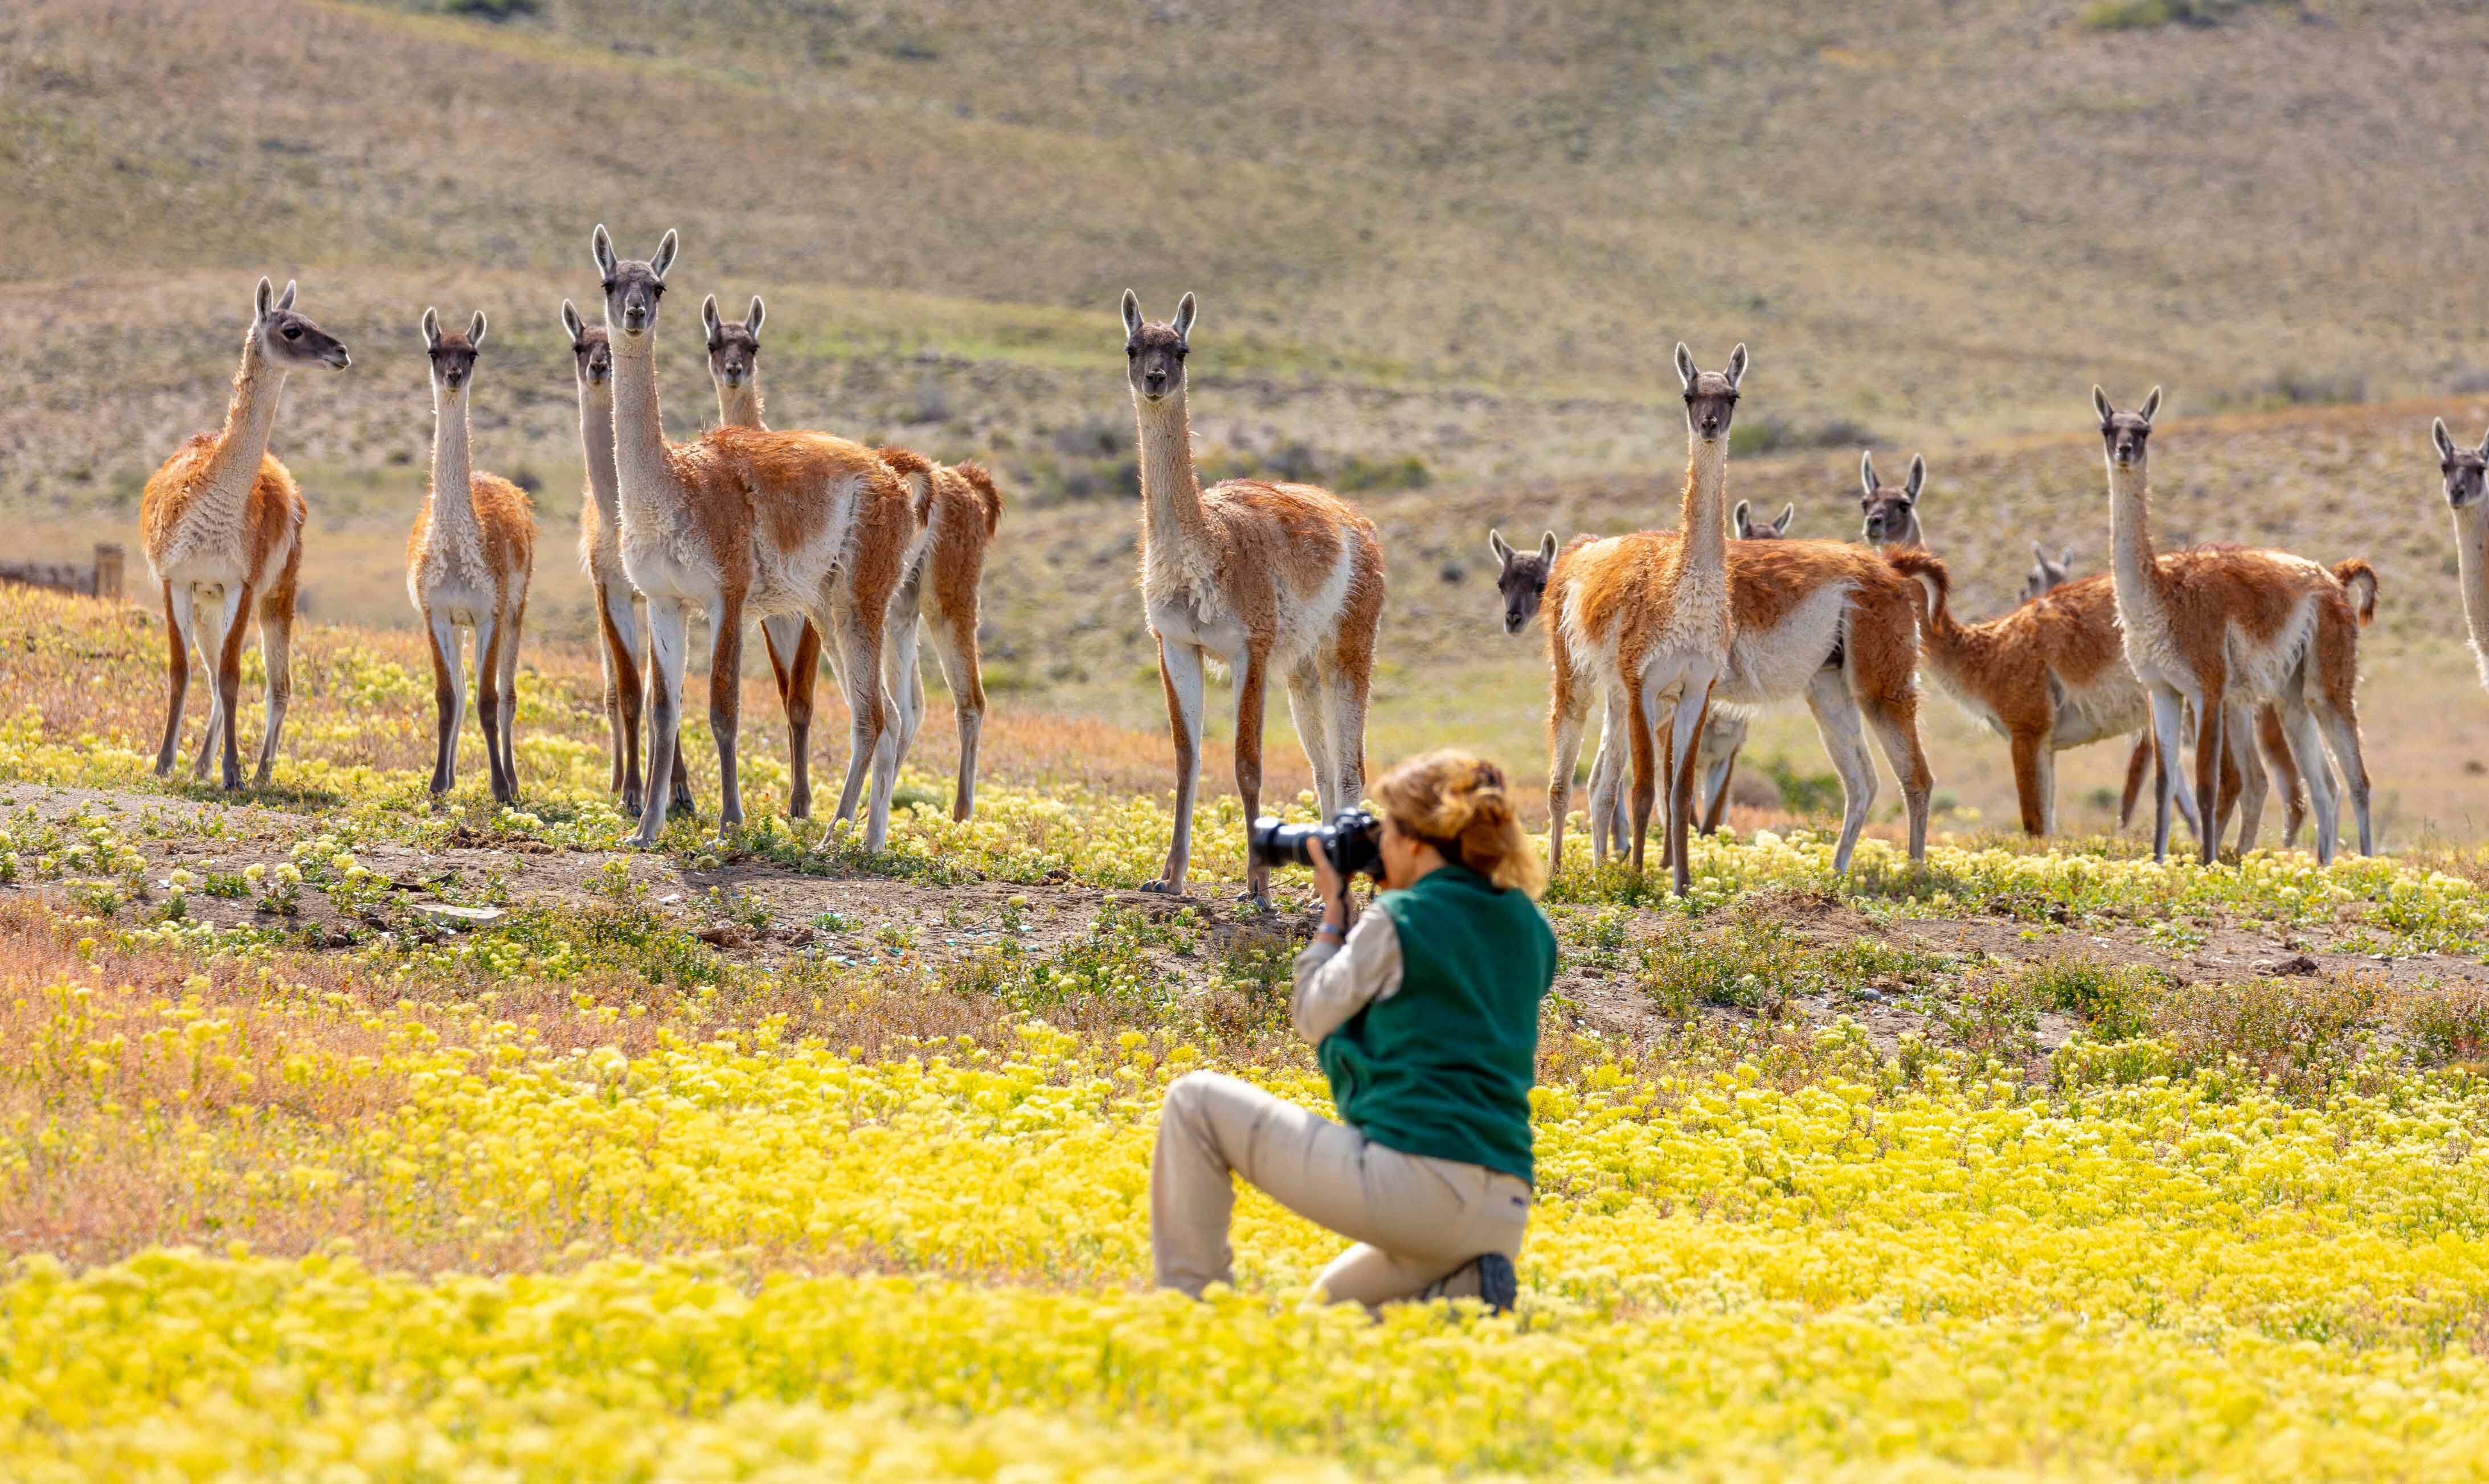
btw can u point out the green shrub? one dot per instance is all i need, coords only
(2113, 1001)
(1803, 793)
(2129, 15)
(1360, 474)
(1773, 434)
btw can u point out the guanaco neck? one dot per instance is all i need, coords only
(1703, 518)
(643, 473)
(596, 446)
(249, 419)
(452, 515)
(1171, 515)
(739, 406)
(1951, 645)
(2137, 570)
(2472, 574)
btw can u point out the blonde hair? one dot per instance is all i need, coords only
(1459, 804)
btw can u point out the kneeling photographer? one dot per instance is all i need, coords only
(1425, 1016)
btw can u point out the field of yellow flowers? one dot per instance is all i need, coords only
(583, 1197)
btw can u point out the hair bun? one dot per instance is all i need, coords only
(1462, 802)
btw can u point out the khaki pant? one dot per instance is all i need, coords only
(1414, 1219)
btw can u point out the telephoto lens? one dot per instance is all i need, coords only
(1353, 839)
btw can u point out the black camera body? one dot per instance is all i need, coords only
(1351, 839)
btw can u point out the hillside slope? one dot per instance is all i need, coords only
(1465, 236)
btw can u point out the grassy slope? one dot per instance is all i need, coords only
(1939, 219)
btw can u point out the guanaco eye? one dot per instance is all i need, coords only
(293, 333)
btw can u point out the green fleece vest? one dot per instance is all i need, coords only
(1445, 1066)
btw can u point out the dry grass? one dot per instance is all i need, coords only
(1464, 236)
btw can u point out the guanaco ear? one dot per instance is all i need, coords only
(2484, 445)
(2151, 405)
(264, 301)
(753, 317)
(2066, 559)
(2037, 555)
(1185, 310)
(570, 322)
(1789, 513)
(2100, 405)
(1918, 478)
(1132, 315)
(1547, 548)
(431, 329)
(708, 317)
(285, 300)
(665, 258)
(2443, 439)
(475, 331)
(1496, 543)
(1685, 371)
(1867, 476)
(603, 246)
(1736, 365)
(1740, 522)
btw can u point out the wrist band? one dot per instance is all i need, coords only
(1332, 930)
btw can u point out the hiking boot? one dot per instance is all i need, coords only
(1497, 1285)
(1487, 1277)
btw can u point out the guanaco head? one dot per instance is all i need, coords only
(1154, 353)
(2046, 575)
(733, 350)
(632, 287)
(1892, 512)
(291, 339)
(1710, 396)
(590, 354)
(453, 354)
(1742, 521)
(1520, 578)
(2465, 468)
(2125, 433)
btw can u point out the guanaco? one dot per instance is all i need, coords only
(958, 508)
(221, 522)
(1254, 576)
(621, 632)
(467, 563)
(1521, 579)
(742, 522)
(2208, 625)
(1794, 605)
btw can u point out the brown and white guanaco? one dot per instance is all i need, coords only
(221, 523)
(1793, 607)
(744, 523)
(620, 617)
(957, 507)
(468, 561)
(1522, 578)
(1258, 577)
(2213, 625)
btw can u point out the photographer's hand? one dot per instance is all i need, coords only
(1332, 889)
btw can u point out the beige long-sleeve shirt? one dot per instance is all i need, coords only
(1334, 980)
